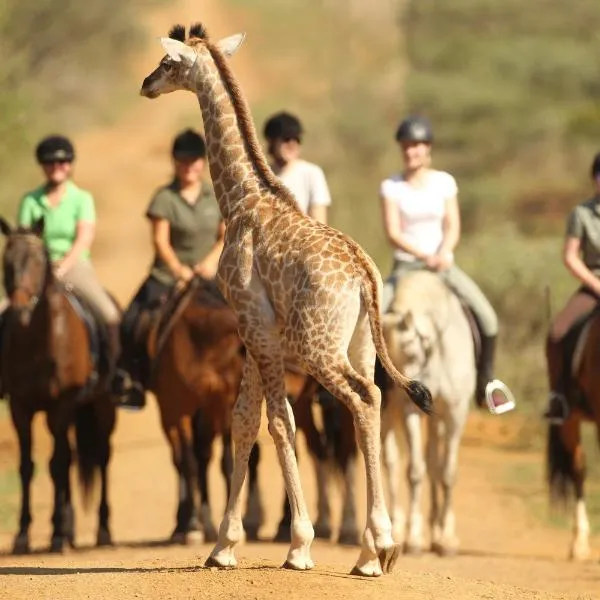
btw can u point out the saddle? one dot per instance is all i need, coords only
(97, 335)
(158, 321)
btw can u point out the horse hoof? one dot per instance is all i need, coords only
(21, 545)
(196, 537)
(349, 538)
(104, 538)
(388, 557)
(322, 532)
(57, 545)
(412, 549)
(283, 535)
(251, 534)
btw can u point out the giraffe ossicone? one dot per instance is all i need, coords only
(302, 291)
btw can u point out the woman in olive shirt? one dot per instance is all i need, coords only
(187, 233)
(581, 255)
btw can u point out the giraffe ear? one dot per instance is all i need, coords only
(229, 45)
(178, 51)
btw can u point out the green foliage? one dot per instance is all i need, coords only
(513, 91)
(62, 68)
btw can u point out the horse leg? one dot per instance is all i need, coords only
(105, 416)
(255, 514)
(346, 458)
(391, 463)
(203, 442)
(245, 425)
(22, 423)
(415, 475)
(449, 542)
(183, 459)
(60, 465)
(580, 544)
(434, 426)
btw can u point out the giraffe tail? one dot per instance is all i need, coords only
(417, 391)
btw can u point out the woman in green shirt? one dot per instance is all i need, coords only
(69, 228)
(581, 255)
(187, 234)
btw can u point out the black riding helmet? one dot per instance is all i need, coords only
(55, 148)
(596, 166)
(414, 129)
(283, 126)
(188, 145)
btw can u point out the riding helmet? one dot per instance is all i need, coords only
(188, 145)
(414, 129)
(55, 148)
(283, 126)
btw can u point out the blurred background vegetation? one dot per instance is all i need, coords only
(512, 89)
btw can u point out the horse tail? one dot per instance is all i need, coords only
(417, 391)
(87, 437)
(559, 465)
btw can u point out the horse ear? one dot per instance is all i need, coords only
(5, 228)
(38, 227)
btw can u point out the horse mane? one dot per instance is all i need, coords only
(248, 130)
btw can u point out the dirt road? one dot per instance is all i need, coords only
(505, 553)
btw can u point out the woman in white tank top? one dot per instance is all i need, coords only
(422, 223)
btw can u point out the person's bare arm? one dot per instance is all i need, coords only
(318, 212)
(573, 262)
(160, 239)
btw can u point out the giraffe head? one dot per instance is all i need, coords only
(176, 70)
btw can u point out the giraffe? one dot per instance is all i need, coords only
(302, 291)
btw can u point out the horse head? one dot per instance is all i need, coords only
(410, 340)
(27, 268)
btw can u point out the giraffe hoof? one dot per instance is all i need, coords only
(388, 557)
(306, 566)
(365, 573)
(212, 561)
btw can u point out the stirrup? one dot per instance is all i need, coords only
(497, 386)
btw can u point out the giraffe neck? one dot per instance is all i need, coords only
(237, 164)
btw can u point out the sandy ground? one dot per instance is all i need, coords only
(506, 552)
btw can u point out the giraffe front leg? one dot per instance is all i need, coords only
(245, 426)
(282, 430)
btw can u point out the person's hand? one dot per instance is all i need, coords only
(61, 268)
(444, 261)
(185, 274)
(432, 262)
(205, 271)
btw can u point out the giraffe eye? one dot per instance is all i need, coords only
(167, 66)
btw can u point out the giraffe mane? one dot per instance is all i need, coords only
(248, 129)
(177, 32)
(198, 30)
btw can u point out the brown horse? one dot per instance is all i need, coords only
(565, 457)
(47, 364)
(197, 359)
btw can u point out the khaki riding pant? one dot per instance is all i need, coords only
(464, 287)
(84, 281)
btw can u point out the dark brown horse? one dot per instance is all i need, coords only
(197, 360)
(47, 365)
(565, 457)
